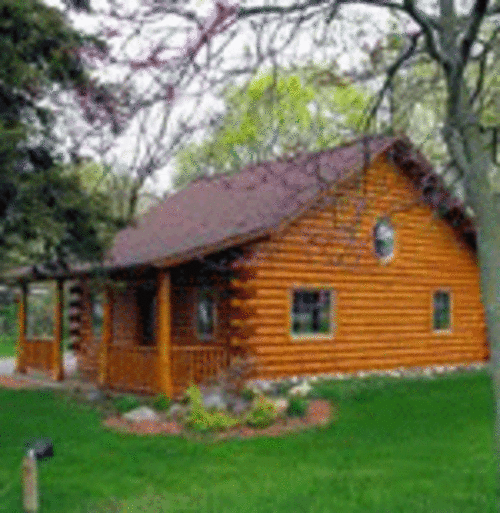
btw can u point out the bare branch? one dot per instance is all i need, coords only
(476, 17)
(427, 24)
(246, 12)
(390, 73)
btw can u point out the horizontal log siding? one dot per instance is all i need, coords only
(186, 343)
(183, 329)
(87, 355)
(183, 321)
(124, 329)
(383, 312)
(125, 318)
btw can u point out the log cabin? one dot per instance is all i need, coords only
(354, 258)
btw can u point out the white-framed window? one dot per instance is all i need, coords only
(311, 312)
(205, 314)
(383, 238)
(441, 310)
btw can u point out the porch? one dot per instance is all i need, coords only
(141, 345)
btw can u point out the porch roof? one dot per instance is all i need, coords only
(218, 212)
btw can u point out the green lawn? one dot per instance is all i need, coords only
(398, 446)
(7, 346)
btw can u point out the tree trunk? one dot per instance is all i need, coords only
(471, 150)
(488, 239)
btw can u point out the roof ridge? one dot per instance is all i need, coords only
(289, 159)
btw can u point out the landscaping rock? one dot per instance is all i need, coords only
(240, 406)
(281, 405)
(178, 411)
(214, 399)
(140, 414)
(95, 396)
(300, 390)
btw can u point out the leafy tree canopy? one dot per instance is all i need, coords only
(125, 194)
(274, 115)
(44, 214)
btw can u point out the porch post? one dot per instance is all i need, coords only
(164, 333)
(57, 363)
(107, 335)
(21, 338)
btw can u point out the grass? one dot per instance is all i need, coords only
(398, 446)
(7, 346)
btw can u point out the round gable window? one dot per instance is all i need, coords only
(383, 235)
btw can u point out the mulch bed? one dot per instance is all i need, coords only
(17, 383)
(319, 414)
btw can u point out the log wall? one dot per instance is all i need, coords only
(124, 329)
(382, 311)
(183, 317)
(125, 354)
(88, 347)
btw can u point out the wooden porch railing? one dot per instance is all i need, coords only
(39, 354)
(197, 364)
(134, 369)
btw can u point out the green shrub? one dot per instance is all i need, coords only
(161, 402)
(248, 394)
(262, 414)
(200, 419)
(126, 403)
(283, 388)
(194, 396)
(297, 407)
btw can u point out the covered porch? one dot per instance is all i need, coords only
(144, 333)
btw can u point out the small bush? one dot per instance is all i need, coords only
(297, 407)
(283, 388)
(200, 419)
(262, 414)
(193, 396)
(126, 403)
(161, 402)
(247, 394)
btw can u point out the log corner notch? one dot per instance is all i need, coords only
(21, 339)
(57, 361)
(163, 334)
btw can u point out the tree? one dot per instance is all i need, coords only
(43, 214)
(461, 42)
(126, 197)
(274, 114)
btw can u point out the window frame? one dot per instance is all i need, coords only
(388, 258)
(298, 337)
(449, 329)
(213, 294)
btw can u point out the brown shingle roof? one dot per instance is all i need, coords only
(212, 212)
(222, 211)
